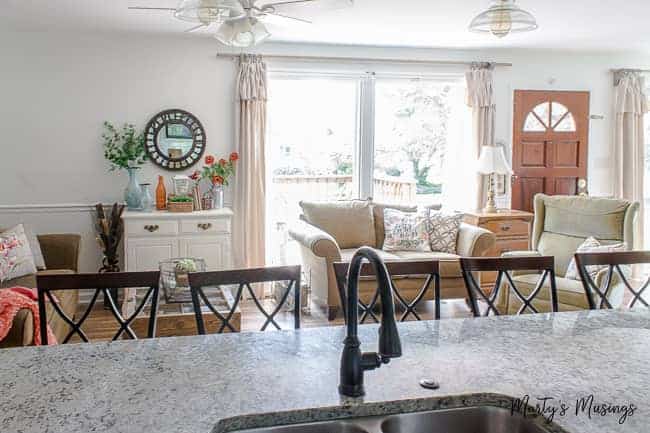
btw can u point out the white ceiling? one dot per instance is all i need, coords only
(564, 24)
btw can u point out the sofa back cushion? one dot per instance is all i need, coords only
(350, 223)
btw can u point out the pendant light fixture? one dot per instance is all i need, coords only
(242, 32)
(502, 18)
(207, 12)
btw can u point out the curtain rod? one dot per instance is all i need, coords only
(631, 70)
(359, 59)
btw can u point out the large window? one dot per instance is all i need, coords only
(333, 137)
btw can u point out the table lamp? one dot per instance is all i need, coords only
(492, 161)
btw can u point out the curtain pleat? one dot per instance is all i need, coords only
(480, 98)
(250, 185)
(630, 106)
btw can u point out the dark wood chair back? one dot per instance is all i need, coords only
(613, 262)
(104, 283)
(428, 269)
(503, 266)
(243, 278)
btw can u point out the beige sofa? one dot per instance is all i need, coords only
(561, 224)
(330, 232)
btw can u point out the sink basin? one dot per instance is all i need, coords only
(478, 419)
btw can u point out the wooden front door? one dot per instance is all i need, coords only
(550, 140)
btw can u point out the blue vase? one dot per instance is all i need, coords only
(133, 192)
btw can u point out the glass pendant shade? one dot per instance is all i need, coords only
(208, 11)
(242, 32)
(502, 18)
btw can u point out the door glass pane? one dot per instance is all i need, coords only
(532, 124)
(312, 136)
(557, 111)
(412, 123)
(567, 124)
(542, 111)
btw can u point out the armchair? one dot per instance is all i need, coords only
(561, 225)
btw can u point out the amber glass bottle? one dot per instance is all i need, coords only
(161, 194)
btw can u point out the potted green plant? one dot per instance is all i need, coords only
(124, 149)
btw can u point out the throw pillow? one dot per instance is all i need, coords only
(35, 246)
(19, 261)
(405, 231)
(443, 231)
(592, 245)
(349, 222)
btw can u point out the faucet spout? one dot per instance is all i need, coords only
(353, 361)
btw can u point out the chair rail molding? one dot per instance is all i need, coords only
(48, 207)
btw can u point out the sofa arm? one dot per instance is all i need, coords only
(61, 251)
(320, 243)
(21, 332)
(474, 241)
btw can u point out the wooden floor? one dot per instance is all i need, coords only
(101, 326)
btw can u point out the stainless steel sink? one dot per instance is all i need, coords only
(479, 419)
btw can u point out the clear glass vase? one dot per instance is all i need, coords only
(133, 192)
(147, 201)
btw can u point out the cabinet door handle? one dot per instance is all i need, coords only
(151, 227)
(506, 227)
(204, 226)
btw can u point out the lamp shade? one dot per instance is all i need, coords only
(242, 32)
(503, 17)
(208, 11)
(493, 160)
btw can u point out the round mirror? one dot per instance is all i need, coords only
(174, 139)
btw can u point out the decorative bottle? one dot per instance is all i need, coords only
(161, 194)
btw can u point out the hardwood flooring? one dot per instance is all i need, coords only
(101, 326)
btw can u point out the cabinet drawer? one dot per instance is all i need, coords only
(144, 228)
(197, 226)
(507, 228)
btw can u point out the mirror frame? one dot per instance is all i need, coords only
(162, 120)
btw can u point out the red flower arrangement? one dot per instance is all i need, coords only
(219, 172)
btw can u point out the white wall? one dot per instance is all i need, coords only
(57, 89)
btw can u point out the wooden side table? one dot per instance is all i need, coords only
(512, 229)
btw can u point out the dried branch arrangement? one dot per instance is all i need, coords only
(109, 235)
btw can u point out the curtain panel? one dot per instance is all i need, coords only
(250, 180)
(630, 106)
(480, 98)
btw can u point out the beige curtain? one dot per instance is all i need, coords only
(480, 98)
(250, 191)
(630, 106)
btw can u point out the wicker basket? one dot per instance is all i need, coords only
(174, 206)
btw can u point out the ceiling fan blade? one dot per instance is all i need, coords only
(200, 26)
(274, 16)
(144, 8)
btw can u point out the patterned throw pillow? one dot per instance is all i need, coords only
(405, 231)
(592, 245)
(19, 261)
(443, 231)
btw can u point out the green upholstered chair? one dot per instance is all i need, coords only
(561, 225)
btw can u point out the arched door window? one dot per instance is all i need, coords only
(550, 116)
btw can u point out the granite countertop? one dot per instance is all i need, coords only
(197, 384)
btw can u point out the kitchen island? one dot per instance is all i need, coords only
(205, 383)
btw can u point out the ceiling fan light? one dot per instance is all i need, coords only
(502, 18)
(242, 32)
(208, 11)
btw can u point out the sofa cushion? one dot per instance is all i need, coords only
(378, 214)
(350, 223)
(346, 255)
(406, 231)
(449, 263)
(21, 256)
(443, 231)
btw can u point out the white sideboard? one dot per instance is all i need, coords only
(151, 237)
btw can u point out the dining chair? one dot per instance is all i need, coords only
(504, 266)
(429, 269)
(615, 279)
(106, 283)
(242, 279)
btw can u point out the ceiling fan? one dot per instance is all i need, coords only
(241, 23)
